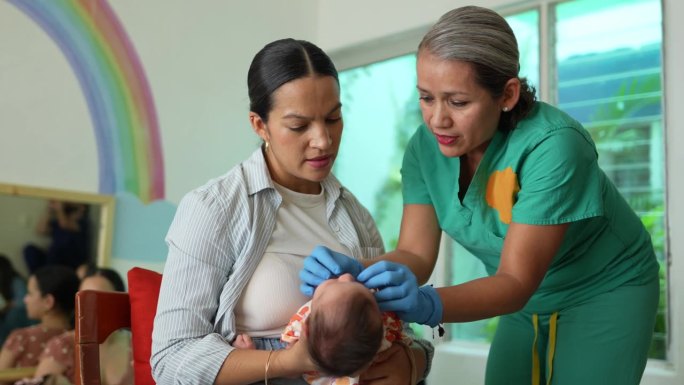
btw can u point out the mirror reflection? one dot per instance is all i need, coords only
(46, 226)
(66, 227)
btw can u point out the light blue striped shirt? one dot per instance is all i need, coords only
(216, 241)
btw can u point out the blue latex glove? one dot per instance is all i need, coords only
(398, 291)
(323, 264)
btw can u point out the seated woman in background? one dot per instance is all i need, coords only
(12, 292)
(115, 353)
(50, 299)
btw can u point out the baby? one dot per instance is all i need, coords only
(344, 330)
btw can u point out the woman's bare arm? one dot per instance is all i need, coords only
(245, 366)
(527, 253)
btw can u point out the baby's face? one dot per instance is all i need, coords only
(336, 289)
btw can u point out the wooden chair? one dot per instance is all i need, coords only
(98, 314)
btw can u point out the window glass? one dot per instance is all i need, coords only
(380, 112)
(608, 57)
(525, 26)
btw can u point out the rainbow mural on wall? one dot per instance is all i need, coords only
(115, 87)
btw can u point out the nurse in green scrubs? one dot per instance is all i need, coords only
(571, 268)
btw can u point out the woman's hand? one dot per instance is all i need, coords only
(323, 264)
(243, 341)
(398, 291)
(390, 367)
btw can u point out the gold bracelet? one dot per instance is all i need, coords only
(268, 363)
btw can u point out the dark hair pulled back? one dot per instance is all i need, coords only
(110, 275)
(280, 62)
(61, 282)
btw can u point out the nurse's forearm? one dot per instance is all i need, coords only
(527, 253)
(483, 298)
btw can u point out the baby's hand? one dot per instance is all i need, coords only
(243, 341)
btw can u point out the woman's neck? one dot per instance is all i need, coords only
(55, 320)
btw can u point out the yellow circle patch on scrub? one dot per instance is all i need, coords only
(501, 189)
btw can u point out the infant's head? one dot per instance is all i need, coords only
(344, 329)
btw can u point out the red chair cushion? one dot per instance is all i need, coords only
(143, 289)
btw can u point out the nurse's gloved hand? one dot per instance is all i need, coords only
(323, 264)
(398, 291)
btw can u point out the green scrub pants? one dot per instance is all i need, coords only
(603, 341)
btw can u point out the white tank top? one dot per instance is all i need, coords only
(272, 295)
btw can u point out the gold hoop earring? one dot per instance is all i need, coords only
(266, 145)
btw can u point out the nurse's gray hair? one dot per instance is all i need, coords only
(484, 39)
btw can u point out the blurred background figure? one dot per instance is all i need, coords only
(12, 291)
(49, 299)
(57, 359)
(67, 225)
(84, 269)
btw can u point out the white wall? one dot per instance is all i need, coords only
(45, 133)
(195, 55)
(352, 22)
(375, 26)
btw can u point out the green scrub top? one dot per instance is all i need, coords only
(543, 172)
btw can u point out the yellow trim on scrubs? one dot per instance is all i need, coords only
(536, 369)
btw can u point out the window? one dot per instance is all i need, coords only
(605, 72)
(609, 78)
